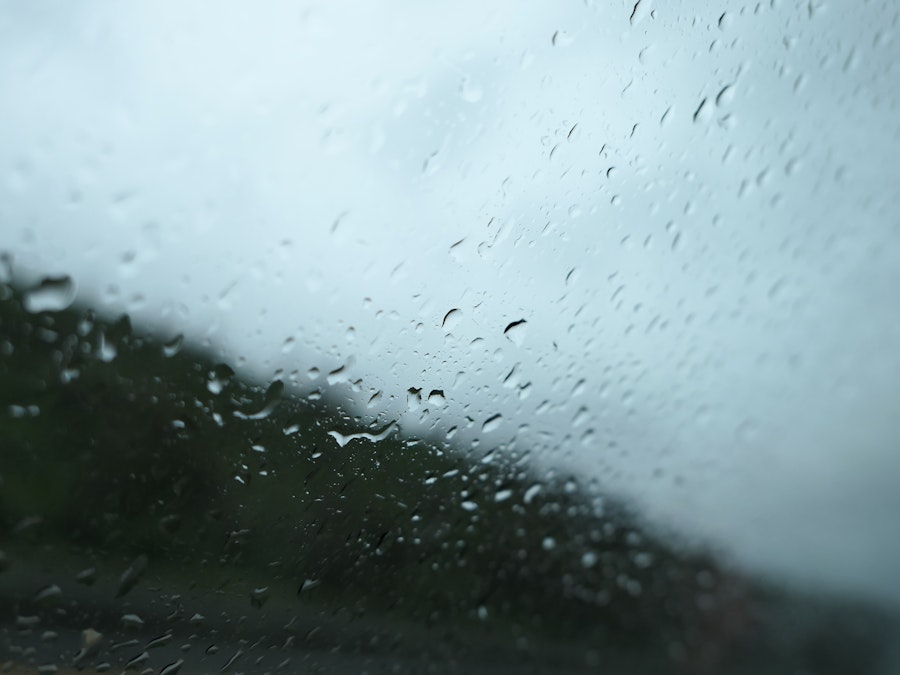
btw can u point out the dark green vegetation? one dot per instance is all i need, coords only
(114, 446)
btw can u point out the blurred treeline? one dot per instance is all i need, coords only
(114, 443)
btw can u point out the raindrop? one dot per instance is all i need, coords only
(492, 423)
(341, 374)
(138, 660)
(172, 668)
(413, 398)
(375, 399)
(91, 641)
(131, 576)
(703, 111)
(561, 39)
(218, 379)
(374, 437)
(52, 294)
(106, 350)
(515, 331)
(259, 596)
(639, 12)
(132, 621)
(160, 641)
(451, 319)
(173, 346)
(234, 658)
(725, 96)
(531, 493)
(51, 595)
(436, 397)
(270, 401)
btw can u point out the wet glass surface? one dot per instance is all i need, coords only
(426, 338)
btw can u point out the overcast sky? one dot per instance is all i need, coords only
(693, 207)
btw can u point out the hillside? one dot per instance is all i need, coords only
(119, 450)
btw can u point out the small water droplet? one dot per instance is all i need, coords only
(561, 39)
(703, 112)
(341, 374)
(106, 350)
(218, 379)
(172, 668)
(492, 423)
(725, 96)
(132, 621)
(515, 331)
(259, 596)
(173, 346)
(132, 575)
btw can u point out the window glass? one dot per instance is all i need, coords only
(444, 337)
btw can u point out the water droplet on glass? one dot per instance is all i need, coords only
(270, 401)
(106, 350)
(492, 423)
(173, 346)
(131, 576)
(172, 668)
(640, 11)
(52, 294)
(725, 96)
(219, 378)
(132, 621)
(91, 641)
(49, 596)
(259, 596)
(703, 112)
(515, 331)
(451, 319)
(561, 39)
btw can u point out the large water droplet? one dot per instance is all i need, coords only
(52, 294)
(515, 331)
(271, 401)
